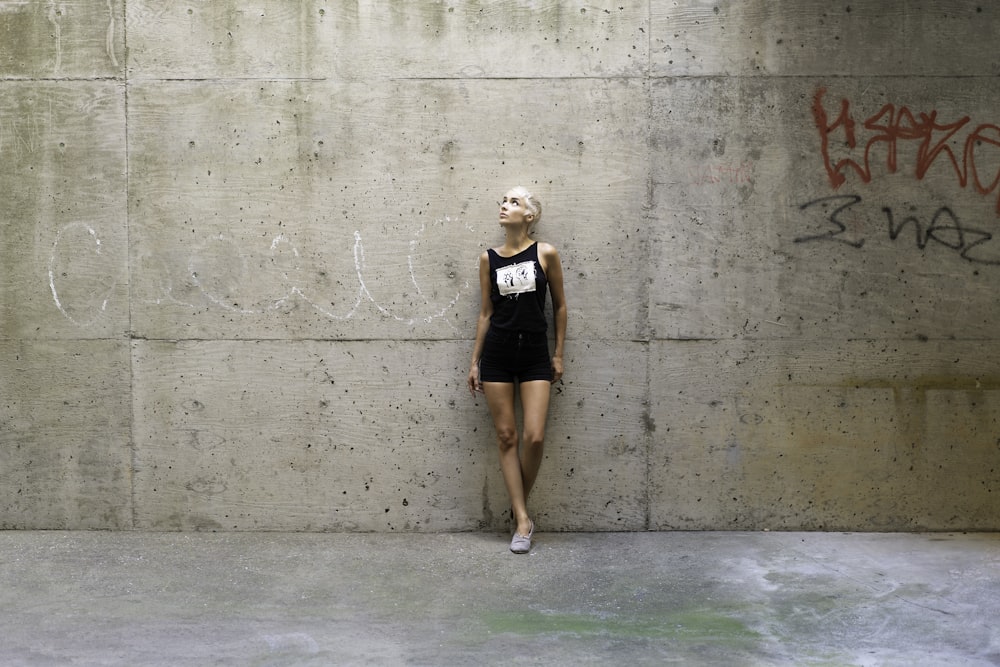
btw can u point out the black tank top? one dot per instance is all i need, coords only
(519, 287)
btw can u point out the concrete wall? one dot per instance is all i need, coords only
(238, 269)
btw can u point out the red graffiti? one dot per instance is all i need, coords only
(892, 125)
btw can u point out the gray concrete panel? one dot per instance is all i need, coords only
(777, 435)
(596, 445)
(306, 209)
(767, 232)
(367, 40)
(317, 435)
(812, 37)
(63, 271)
(65, 450)
(74, 39)
(371, 436)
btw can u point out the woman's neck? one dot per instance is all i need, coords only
(517, 240)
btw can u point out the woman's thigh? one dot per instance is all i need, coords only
(535, 406)
(500, 399)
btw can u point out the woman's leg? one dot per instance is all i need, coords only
(535, 405)
(500, 399)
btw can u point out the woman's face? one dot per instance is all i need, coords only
(512, 210)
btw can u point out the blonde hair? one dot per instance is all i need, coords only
(531, 203)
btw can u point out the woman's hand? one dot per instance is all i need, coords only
(557, 369)
(474, 384)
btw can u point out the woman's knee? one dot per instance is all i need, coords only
(506, 438)
(534, 439)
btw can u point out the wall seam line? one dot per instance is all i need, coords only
(650, 439)
(130, 339)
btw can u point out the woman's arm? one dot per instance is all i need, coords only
(483, 323)
(554, 274)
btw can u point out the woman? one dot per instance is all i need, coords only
(512, 346)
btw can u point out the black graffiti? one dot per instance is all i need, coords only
(834, 219)
(945, 228)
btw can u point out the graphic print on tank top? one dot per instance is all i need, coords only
(516, 279)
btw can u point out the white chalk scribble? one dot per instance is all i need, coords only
(92, 290)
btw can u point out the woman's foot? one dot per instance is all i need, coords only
(521, 544)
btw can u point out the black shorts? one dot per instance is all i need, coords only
(509, 356)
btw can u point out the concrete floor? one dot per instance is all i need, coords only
(88, 598)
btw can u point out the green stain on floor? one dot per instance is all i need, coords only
(697, 626)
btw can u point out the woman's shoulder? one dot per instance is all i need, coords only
(547, 250)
